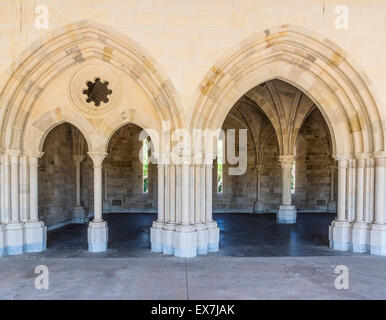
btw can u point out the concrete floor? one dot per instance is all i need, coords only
(258, 259)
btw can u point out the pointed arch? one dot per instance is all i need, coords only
(315, 65)
(64, 48)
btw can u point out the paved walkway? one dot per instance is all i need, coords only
(258, 259)
(198, 278)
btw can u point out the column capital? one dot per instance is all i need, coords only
(287, 160)
(33, 160)
(259, 167)
(13, 153)
(342, 157)
(97, 158)
(78, 158)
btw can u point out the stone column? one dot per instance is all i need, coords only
(185, 236)
(200, 214)
(331, 206)
(157, 227)
(14, 226)
(340, 231)
(361, 230)
(35, 232)
(258, 206)
(97, 230)
(378, 227)
(287, 212)
(170, 225)
(78, 212)
(213, 230)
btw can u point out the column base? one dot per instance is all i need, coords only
(258, 207)
(35, 237)
(360, 237)
(331, 207)
(213, 236)
(167, 238)
(156, 236)
(79, 215)
(286, 214)
(14, 238)
(202, 238)
(97, 236)
(185, 241)
(340, 235)
(378, 239)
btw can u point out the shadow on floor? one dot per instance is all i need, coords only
(242, 235)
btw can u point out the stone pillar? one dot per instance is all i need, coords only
(340, 231)
(35, 233)
(170, 225)
(97, 230)
(287, 212)
(200, 213)
(79, 212)
(157, 227)
(378, 227)
(14, 229)
(185, 236)
(361, 230)
(258, 206)
(213, 230)
(331, 206)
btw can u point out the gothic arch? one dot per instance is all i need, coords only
(310, 62)
(68, 47)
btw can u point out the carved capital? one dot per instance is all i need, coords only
(78, 158)
(97, 158)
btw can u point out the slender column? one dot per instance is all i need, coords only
(178, 194)
(105, 182)
(97, 158)
(24, 188)
(161, 193)
(185, 194)
(258, 205)
(35, 233)
(379, 190)
(77, 160)
(286, 167)
(15, 186)
(172, 204)
(359, 216)
(208, 192)
(33, 187)
(167, 193)
(97, 229)
(192, 185)
(5, 188)
(197, 193)
(203, 193)
(342, 172)
(258, 182)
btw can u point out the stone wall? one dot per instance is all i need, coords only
(124, 173)
(312, 175)
(57, 177)
(312, 188)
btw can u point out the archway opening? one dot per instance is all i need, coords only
(65, 190)
(129, 188)
(287, 136)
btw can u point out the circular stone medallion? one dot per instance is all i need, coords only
(94, 89)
